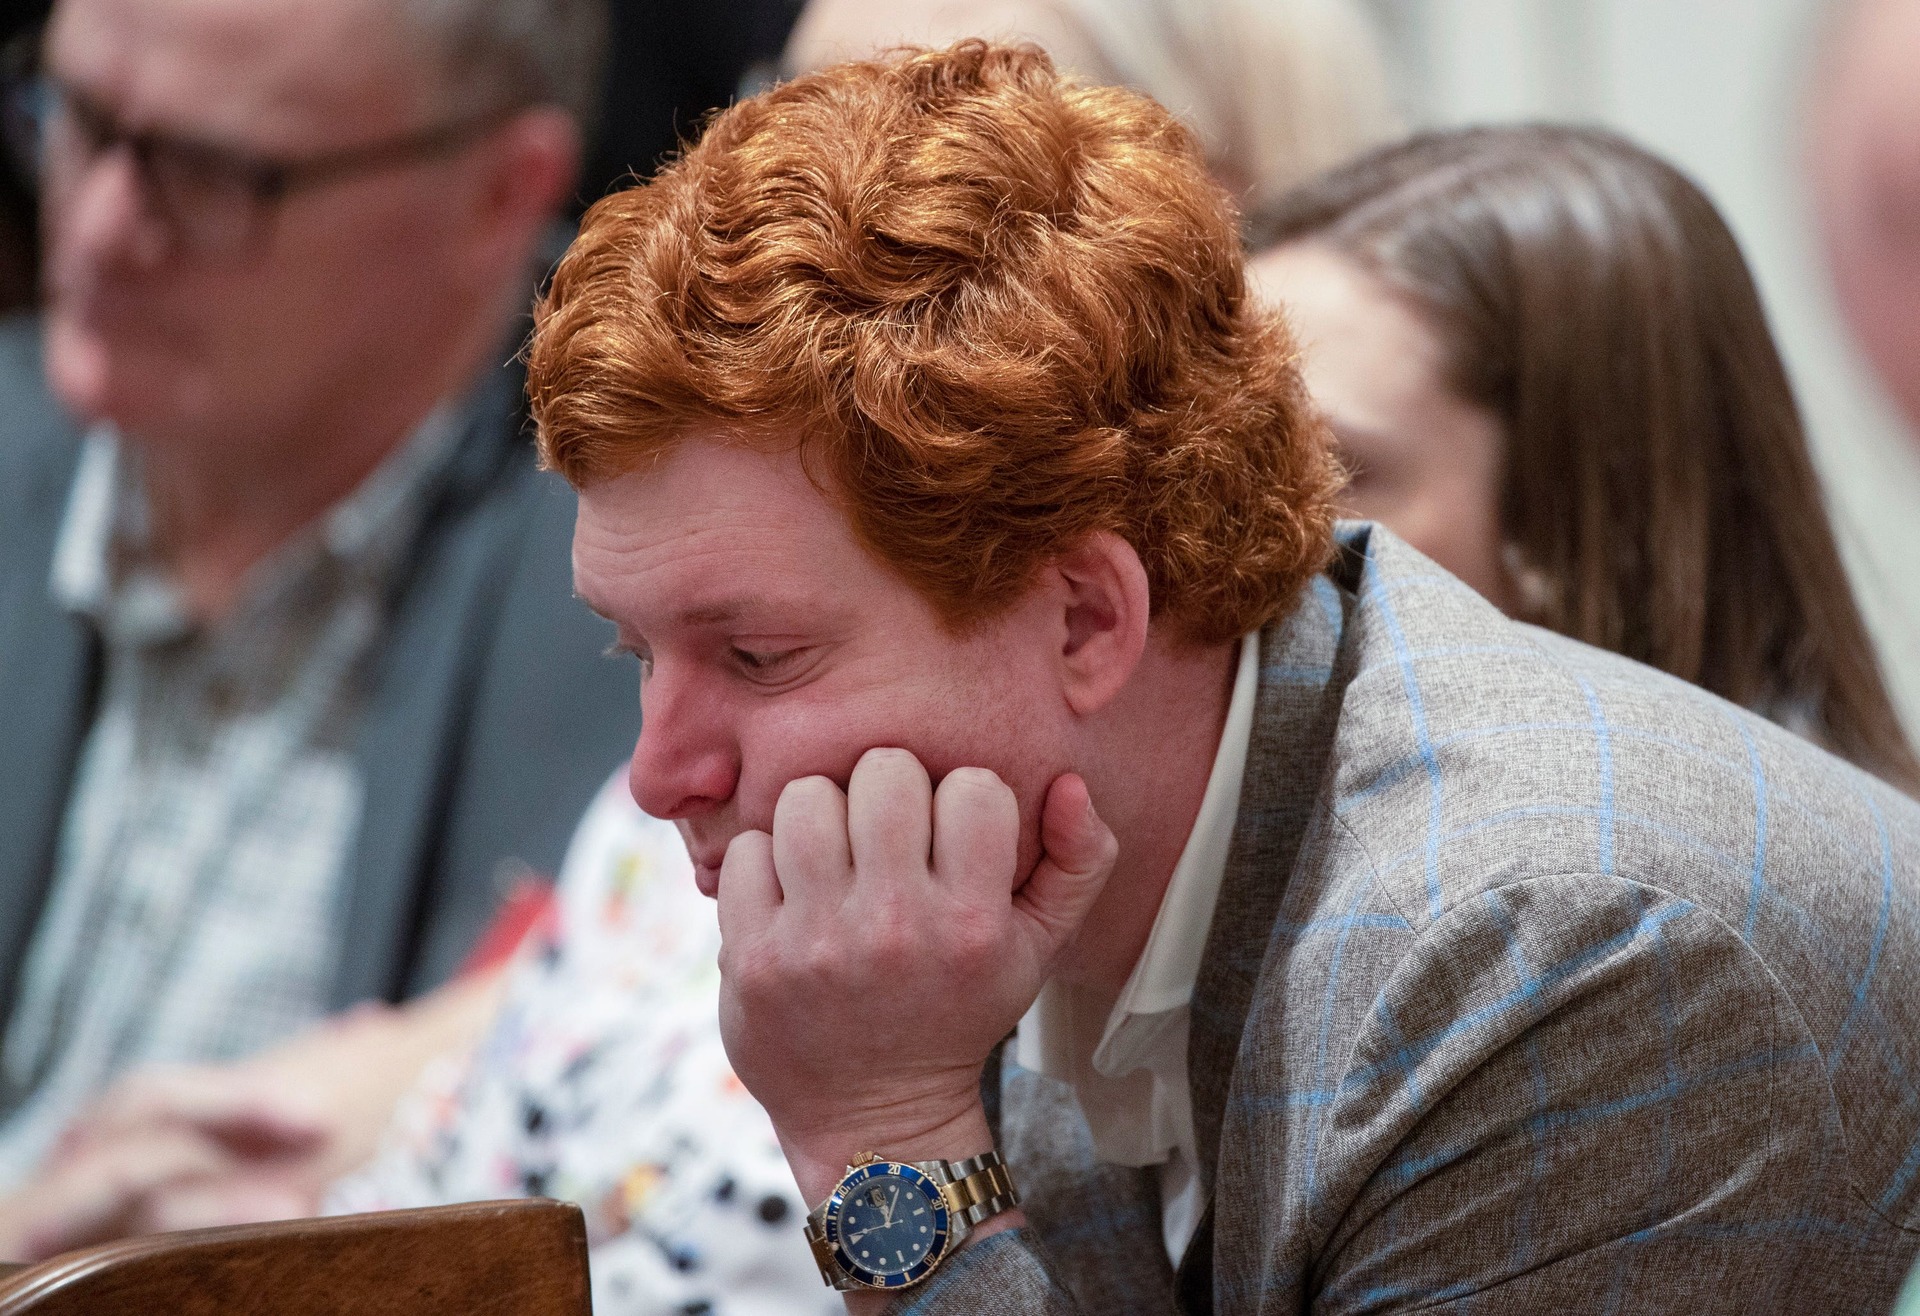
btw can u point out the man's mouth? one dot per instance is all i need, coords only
(706, 858)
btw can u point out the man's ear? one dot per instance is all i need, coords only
(1104, 591)
(533, 170)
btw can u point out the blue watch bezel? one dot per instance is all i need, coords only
(937, 1249)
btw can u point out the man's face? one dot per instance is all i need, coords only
(337, 284)
(774, 647)
(1865, 160)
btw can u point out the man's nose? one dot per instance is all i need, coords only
(104, 215)
(684, 763)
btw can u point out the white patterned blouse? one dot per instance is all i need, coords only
(603, 1082)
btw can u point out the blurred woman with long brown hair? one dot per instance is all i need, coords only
(1547, 366)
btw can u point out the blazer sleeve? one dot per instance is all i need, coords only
(1008, 1274)
(1572, 1093)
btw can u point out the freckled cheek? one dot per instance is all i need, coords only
(824, 732)
(805, 734)
(785, 740)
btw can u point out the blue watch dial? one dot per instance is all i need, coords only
(888, 1224)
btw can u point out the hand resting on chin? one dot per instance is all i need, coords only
(881, 942)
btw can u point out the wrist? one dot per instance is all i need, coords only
(819, 1158)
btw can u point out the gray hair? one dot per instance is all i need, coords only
(514, 53)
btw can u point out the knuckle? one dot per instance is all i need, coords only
(973, 942)
(820, 962)
(976, 798)
(887, 768)
(747, 848)
(892, 930)
(889, 938)
(984, 780)
(808, 793)
(751, 967)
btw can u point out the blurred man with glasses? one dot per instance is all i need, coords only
(290, 679)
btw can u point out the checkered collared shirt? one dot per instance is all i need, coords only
(195, 907)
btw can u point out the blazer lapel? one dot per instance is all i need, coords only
(426, 668)
(48, 678)
(1303, 676)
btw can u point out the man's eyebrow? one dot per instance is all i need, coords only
(705, 614)
(714, 614)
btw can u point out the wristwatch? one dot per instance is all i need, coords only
(889, 1224)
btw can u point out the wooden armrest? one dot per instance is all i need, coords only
(521, 1258)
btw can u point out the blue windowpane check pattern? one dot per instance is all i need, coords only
(1539, 982)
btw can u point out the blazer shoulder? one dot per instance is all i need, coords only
(38, 439)
(1473, 750)
(1395, 1068)
(1477, 758)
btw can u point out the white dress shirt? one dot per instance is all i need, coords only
(1128, 1062)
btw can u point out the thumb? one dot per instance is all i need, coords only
(251, 1112)
(266, 1129)
(232, 1105)
(1077, 854)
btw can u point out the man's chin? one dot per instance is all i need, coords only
(706, 867)
(78, 368)
(707, 878)
(132, 382)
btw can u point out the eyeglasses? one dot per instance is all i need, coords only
(215, 199)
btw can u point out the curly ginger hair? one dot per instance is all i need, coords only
(996, 309)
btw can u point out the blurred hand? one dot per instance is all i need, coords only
(880, 943)
(167, 1177)
(178, 1148)
(188, 1147)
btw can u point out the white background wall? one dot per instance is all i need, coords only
(1717, 87)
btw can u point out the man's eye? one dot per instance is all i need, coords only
(763, 662)
(88, 122)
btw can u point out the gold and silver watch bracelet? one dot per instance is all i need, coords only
(977, 1189)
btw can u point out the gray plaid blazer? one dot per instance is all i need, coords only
(1539, 982)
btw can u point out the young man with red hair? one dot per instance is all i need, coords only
(1135, 895)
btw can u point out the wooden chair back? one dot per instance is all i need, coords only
(523, 1258)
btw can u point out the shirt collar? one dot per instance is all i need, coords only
(98, 561)
(1056, 1037)
(81, 575)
